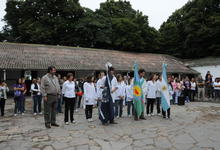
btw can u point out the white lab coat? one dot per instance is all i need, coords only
(90, 95)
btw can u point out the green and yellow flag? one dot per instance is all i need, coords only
(138, 93)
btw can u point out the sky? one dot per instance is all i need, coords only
(157, 11)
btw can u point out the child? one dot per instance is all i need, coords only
(129, 95)
(90, 97)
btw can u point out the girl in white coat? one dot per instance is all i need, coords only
(90, 97)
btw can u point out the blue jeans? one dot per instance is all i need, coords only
(19, 104)
(118, 107)
(59, 105)
(37, 99)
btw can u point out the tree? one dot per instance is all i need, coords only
(194, 30)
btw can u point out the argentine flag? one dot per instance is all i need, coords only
(165, 97)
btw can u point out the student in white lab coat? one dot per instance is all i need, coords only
(151, 94)
(119, 96)
(90, 97)
(130, 97)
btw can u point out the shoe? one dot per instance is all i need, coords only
(152, 114)
(113, 122)
(40, 113)
(35, 114)
(22, 114)
(47, 125)
(73, 121)
(104, 124)
(76, 110)
(117, 117)
(149, 115)
(15, 115)
(158, 114)
(55, 125)
(66, 123)
(142, 118)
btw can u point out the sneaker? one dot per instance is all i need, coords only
(149, 115)
(22, 114)
(76, 110)
(117, 117)
(40, 113)
(15, 115)
(152, 114)
(158, 114)
(35, 114)
(73, 121)
(66, 123)
(55, 125)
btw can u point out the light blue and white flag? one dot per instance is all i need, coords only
(165, 96)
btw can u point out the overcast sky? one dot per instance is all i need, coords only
(157, 10)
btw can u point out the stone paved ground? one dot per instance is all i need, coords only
(195, 126)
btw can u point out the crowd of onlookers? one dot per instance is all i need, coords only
(189, 89)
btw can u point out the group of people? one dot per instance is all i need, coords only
(110, 93)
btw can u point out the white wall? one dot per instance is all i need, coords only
(215, 70)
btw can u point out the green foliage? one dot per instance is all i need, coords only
(193, 31)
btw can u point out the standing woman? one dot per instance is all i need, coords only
(187, 89)
(151, 94)
(120, 96)
(37, 97)
(18, 97)
(3, 96)
(129, 96)
(90, 97)
(23, 94)
(158, 94)
(193, 89)
(69, 98)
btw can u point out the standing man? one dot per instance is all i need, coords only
(50, 89)
(109, 83)
(143, 86)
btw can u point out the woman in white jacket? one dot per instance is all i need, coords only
(90, 97)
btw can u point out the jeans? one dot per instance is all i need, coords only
(118, 107)
(130, 107)
(2, 106)
(37, 103)
(19, 104)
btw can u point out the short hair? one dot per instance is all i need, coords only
(141, 71)
(69, 75)
(50, 68)
(111, 69)
(34, 80)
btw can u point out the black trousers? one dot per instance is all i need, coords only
(164, 113)
(88, 111)
(192, 95)
(69, 108)
(150, 105)
(158, 101)
(2, 106)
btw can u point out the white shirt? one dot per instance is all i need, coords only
(129, 92)
(113, 86)
(144, 87)
(120, 91)
(69, 89)
(159, 86)
(193, 86)
(151, 89)
(99, 89)
(216, 84)
(90, 95)
(35, 90)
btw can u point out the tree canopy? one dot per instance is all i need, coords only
(192, 31)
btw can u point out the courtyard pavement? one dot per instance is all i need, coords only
(195, 126)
